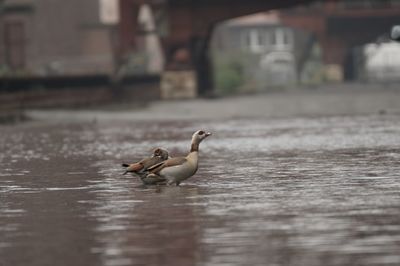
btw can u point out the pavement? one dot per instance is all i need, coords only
(328, 100)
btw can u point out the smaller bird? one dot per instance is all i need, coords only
(140, 168)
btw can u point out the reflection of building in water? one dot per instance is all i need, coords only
(152, 226)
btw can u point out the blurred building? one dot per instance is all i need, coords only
(308, 44)
(268, 52)
(57, 37)
(342, 28)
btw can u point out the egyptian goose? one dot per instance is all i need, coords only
(177, 169)
(140, 168)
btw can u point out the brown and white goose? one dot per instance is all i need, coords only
(177, 169)
(140, 168)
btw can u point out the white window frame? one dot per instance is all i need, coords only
(253, 40)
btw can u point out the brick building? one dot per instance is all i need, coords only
(54, 38)
(342, 26)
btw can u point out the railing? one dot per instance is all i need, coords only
(69, 91)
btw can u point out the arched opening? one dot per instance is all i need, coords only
(308, 44)
(187, 37)
(322, 42)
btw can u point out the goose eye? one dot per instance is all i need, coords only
(201, 132)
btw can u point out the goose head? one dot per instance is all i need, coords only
(199, 136)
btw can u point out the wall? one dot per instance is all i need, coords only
(62, 37)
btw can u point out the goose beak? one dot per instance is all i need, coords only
(208, 134)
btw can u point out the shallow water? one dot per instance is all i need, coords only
(295, 191)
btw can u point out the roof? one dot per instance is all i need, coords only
(264, 18)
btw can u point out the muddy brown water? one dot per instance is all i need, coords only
(288, 191)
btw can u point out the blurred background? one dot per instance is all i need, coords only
(302, 98)
(73, 53)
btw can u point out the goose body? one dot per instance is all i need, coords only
(177, 169)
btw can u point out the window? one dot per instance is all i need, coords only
(109, 11)
(282, 39)
(253, 40)
(261, 40)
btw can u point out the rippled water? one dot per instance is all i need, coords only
(299, 191)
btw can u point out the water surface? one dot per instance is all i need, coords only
(287, 191)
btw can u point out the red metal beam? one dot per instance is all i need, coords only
(188, 18)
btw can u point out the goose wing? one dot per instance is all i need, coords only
(167, 163)
(142, 165)
(148, 162)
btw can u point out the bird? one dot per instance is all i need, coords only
(177, 169)
(140, 167)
